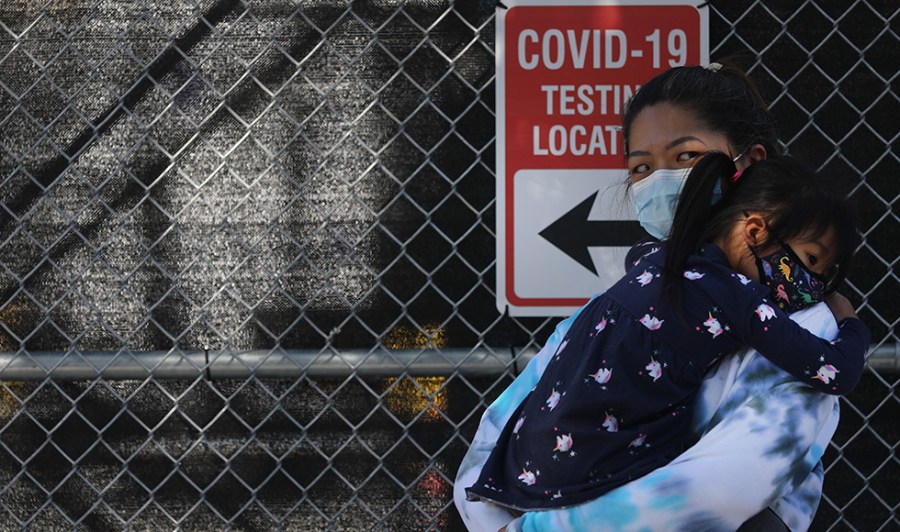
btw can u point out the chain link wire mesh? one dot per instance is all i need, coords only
(305, 190)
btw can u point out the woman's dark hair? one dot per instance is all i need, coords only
(724, 99)
(795, 201)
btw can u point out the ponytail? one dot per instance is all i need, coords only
(691, 224)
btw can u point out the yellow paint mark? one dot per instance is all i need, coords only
(409, 396)
(403, 337)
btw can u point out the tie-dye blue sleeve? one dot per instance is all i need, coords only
(763, 435)
(798, 507)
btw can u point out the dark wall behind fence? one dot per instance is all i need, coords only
(278, 175)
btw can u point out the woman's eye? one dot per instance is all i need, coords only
(812, 260)
(640, 169)
(688, 156)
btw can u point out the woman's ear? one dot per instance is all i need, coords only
(754, 230)
(755, 153)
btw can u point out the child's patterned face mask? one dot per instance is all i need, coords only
(793, 287)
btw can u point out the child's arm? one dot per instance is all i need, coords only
(830, 367)
(722, 301)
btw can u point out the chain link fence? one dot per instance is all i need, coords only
(248, 254)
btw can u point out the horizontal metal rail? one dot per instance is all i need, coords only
(260, 363)
(293, 363)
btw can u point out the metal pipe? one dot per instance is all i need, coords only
(885, 357)
(293, 363)
(174, 364)
(363, 362)
(73, 365)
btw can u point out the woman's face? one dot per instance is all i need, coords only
(666, 136)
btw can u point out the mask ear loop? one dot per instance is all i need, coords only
(737, 173)
(734, 178)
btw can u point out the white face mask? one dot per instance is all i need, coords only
(655, 198)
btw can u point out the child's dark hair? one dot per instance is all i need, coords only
(722, 97)
(795, 201)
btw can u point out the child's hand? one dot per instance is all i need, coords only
(840, 306)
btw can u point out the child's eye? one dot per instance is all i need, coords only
(812, 260)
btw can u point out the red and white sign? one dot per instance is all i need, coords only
(565, 70)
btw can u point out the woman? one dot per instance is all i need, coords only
(762, 434)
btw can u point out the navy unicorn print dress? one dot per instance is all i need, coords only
(614, 401)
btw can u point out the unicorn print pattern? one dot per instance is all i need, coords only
(645, 278)
(713, 326)
(602, 376)
(528, 478)
(563, 443)
(826, 373)
(610, 423)
(765, 312)
(553, 400)
(654, 369)
(651, 322)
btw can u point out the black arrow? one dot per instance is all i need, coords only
(573, 233)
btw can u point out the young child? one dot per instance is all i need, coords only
(613, 403)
